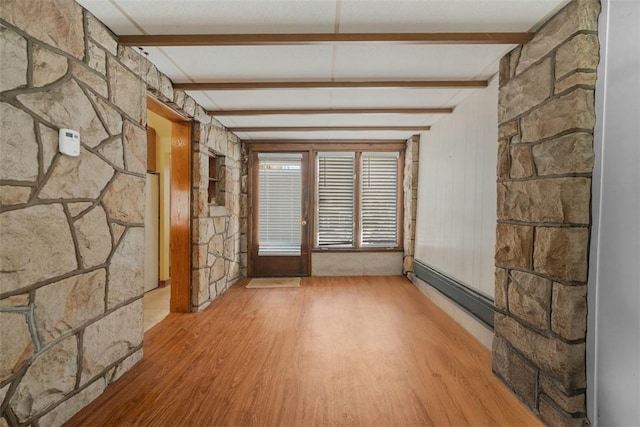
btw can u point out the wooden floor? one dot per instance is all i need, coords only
(369, 351)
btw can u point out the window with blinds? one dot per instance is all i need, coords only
(335, 199)
(279, 204)
(367, 218)
(379, 198)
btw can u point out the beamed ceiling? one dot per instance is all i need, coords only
(326, 69)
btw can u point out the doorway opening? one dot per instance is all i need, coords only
(280, 238)
(168, 214)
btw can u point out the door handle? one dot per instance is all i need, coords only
(303, 222)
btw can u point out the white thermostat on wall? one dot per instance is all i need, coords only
(69, 142)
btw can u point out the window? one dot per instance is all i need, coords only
(357, 200)
(279, 204)
(336, 194)
(379, 213)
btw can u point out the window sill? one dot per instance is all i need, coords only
(323, 250)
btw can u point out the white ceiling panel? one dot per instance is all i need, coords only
(325, 62)
(111, 16)
(393, 98)
(331, 120)
(328, 98)
(166, 64)
(204, 100)
(444, 15)
(260, 99)
(230, 16)
(246, 63)
(418, 62)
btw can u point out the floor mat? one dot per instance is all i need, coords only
(274, 282)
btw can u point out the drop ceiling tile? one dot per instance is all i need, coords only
(393, 98)
(248, 63)
(417, 62)
(327, 98)
(261, 99)
(231, 16)
(165, 63)
(110, 15)
(444, 15)
(331, 120)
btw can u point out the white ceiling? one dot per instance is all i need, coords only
(326, 62)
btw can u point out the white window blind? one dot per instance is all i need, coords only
(279, 210)
(379, 193)
(336, 193)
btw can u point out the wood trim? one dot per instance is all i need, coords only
(152, 164)
(316, 141)
(265, 112)
(181, 217)
(411, 84)
(317, 250)
(324, 38)
(252, 235)
(326, 128)
(163, 110)
(357, 194)
(400, 200)
(273, 146)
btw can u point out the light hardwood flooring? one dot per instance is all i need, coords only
(156, 306)
(368, 351)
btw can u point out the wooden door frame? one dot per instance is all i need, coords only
(307, 210)
(180, 205)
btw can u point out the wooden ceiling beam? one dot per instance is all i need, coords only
(309, 111)
(317, 141)
(403, 84)
(323, 38)
(325, 128)
(327, 145)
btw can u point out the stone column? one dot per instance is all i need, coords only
(410, 187)
(545, 159)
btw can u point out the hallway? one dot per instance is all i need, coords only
(347, 351)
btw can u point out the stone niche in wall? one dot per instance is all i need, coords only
(217, 234)
(545, 160)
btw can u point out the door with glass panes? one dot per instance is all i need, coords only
(279, 243)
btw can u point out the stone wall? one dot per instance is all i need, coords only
(545, 159)
(72, 227)
(216, 234)
(410, 186)
(244, 208)
(71, 256)
(216, 225)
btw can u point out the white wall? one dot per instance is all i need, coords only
(613, 342)
(456, 219)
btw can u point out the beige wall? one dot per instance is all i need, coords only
(356, 263)
(162, 127)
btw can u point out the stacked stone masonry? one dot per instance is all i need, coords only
(410, 188)
(545, 160)
(216, 225)
(71, 256)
